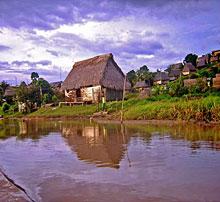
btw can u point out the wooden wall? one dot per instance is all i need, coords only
(112, 94)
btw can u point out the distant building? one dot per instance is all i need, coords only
(177, 66)
(174, 74)
(216, 81)
(143, 87)
(188, 69)
(215, 56)
(91, 79)
(202, 61)
(161, 78)
(56, 85)
(191, 82)
(10, 91)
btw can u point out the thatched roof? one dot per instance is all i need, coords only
(161, 76)
(56, 84)
(177, 66)
(10, 91)
(142, 84)
(188, 67)
(201, 61)
(100, 70)
(175, 73)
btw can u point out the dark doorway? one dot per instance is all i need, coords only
(78, 93)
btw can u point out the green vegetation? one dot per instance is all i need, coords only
(77, 110)
(162, 107)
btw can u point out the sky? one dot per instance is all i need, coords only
(48, 36)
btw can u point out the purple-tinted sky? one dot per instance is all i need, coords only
(48, 36)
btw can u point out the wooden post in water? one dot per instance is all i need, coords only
(123, 97)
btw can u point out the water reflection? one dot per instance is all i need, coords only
(83, 161)
(96, 143)
(88, 140)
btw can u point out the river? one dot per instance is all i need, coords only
(63, 160)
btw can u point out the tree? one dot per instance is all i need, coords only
(191, 58)
(34, 77)
(132, 77)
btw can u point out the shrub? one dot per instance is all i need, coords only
(177, 88)
(55, 99)
(5, 107)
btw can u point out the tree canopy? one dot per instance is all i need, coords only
(191, 58)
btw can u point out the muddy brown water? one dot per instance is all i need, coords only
(81, 161)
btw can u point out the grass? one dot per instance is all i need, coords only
(160, 108)
(66, 111)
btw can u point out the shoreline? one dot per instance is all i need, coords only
(107, 119)
(10, 192)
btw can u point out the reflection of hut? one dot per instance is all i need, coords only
(188, 69)
(143, 87)
(94, 144)
(216, 81)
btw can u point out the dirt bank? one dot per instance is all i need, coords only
(9, 192)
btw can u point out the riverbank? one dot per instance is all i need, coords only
(9, 192)
(196, 109)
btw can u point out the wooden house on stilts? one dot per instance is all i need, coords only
(94, 78)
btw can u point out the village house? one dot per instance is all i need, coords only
(143, 88)
(56, 85)
(161, 78)
(10, 93)
(94, 78)
(216, 81)
(202, 61)
(192, 82)
(174, 74)
(215, 56)
(178, 66)
(188, 69)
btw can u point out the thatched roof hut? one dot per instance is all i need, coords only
(161, 78)
(188, 68)
(142, 84)
(89, 79)
(56, 84)
(202, 61)
(94, 71)
(177, 66)
(10, 91)
(174, 74)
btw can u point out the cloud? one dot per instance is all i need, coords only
(48, 35)
(4, 65)
(32, 64)
(52, 52)
(4, 48)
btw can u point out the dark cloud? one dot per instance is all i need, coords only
(32, 64)
(4, 48)
(52, 52)
(4, 65)
(47, 14)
